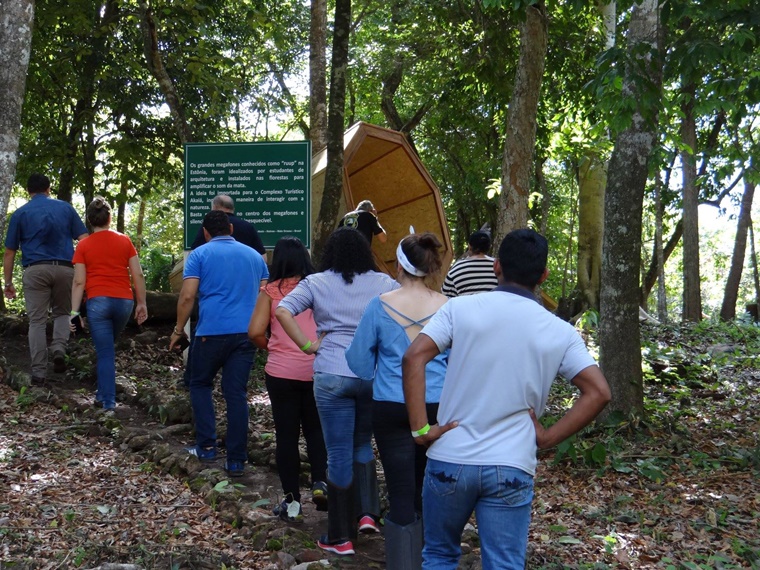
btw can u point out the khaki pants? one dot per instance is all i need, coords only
(47, 288)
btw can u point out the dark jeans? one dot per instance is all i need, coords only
(403, 460)
(234, 354)
(293, 410)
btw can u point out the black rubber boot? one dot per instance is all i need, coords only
(341, 525)
(403, 545)
(367, 496)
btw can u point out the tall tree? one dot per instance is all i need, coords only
(328, 208)
(692, 295)
(521, 122)
(731, 291)
(619, 338)
(16, 40)
(318, 75)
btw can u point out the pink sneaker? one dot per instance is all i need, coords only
(368, 525)
(342, 547)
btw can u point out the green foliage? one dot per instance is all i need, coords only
(156, 266)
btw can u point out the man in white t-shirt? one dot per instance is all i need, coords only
(505, 352)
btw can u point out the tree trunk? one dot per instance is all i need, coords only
(521, 123)
(592, 179)
(16, 19)
(619, 337)
(692, 295)
(728, 308)
(755, 270)
(659, 255)
(318, 76)
(140, 224)
(158, 70)
(328, 209)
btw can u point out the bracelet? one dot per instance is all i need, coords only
(74, 313)
(422, 431)
(175, 331)
(306, 346)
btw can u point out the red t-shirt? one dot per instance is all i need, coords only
(105, 255)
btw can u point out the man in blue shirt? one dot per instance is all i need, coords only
(44, 230)
(225, 275)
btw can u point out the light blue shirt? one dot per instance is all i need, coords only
(376, 352)
(229, 275)
(338, 306)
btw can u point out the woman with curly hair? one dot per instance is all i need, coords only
(288, 373)
(338, 295)
(389, 325)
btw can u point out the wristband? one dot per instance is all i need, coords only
(422, 431)
(177, 332)
(306, 346)
(74, 313)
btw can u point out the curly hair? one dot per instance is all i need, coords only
(289, 259)
(347, 252)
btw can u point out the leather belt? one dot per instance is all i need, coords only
(50, 262)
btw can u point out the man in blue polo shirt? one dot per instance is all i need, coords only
(44, 230)
(225, 275)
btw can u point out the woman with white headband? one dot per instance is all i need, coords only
(389, 325)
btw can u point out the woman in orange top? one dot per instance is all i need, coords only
(103, 262)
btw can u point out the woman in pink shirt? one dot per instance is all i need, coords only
(289, 381)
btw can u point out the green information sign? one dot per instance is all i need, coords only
(270, 183)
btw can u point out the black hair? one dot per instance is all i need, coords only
(290, 259)
(522, 256)
(37, 183)
(98, 212)
(347, 252)
(216, 223)
(422, 251)
(480, 242)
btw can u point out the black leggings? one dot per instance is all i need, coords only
(403, 460)
(293, 409)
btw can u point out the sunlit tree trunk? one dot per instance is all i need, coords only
(328, 208)
(592, 179)
(731, 293)
(619, 336)
(692, 295)
(521, 123)
(659, 255)
(318, 76)
(16, 18)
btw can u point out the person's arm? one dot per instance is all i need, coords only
(420, 352)
(82, 236)
(8, 258)
(361, 354)
(595, 394)
(294, 331)
(382, 236)
(138, 280)
(77, 291)
(259, 323)
(184, 308)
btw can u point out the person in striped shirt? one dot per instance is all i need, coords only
(474, 273)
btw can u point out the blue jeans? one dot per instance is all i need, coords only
(234, 354)
(501, 498)
(107, 317)
(345, 410)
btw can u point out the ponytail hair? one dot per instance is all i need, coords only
(423, 252)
